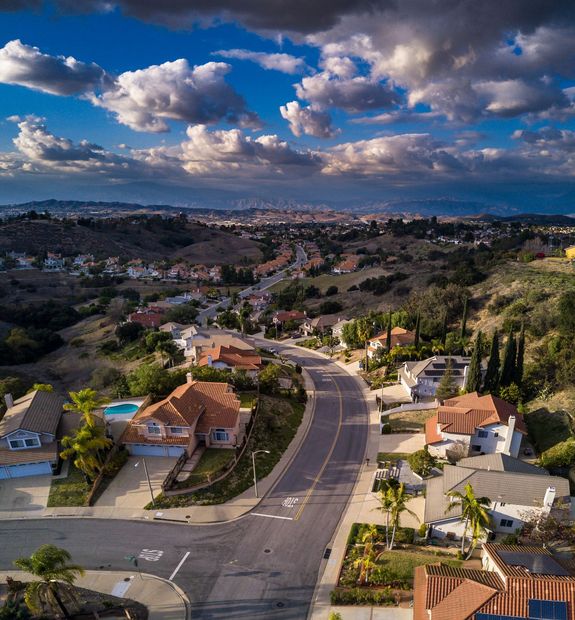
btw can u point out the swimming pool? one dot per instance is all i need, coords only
(119, 409)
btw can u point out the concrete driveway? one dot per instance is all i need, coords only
(24, 497)
(129, 489)
(402, 442)
(394, 394)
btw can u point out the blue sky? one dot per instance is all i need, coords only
(341, 103)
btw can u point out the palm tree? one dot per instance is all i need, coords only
(85, 446)
(474, 514)
(85, 402)
(366, 562)
(385, 497)
(399, 506)
(50, 565)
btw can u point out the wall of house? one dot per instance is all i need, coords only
(494, 442)
(515, 444)
(44, 438)
(439, 449)
(509, 511)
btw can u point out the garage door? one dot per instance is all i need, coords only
(145, 450)
(26, 469)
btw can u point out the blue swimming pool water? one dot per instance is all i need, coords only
(124, 408)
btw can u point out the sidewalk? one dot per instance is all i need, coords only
(164, 599)
(234, 509)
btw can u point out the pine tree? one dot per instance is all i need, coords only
(491, 382)
(417, 330)
(444, 329)
(464, 318)
(473, 379)
(518, 379)
(389, 333)
(508, 364)
(447, 387)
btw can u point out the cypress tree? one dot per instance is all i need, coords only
(417, 330)
(520, 356)
(389, 333)
(444, 329)
(473, 379)
(508, 364)
(447, 387)
(464, 318)
(491, 382)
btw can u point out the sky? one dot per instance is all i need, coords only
(341, 103)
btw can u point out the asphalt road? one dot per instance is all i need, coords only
(264, 565)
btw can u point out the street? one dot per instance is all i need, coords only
(266, 563)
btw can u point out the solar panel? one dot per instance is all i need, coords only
(547, 610)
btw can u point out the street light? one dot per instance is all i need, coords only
(254, 467)
(148, 479)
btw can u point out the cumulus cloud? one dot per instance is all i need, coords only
(307, 121)
(356, 94)
(144, 99)
(286, 63)
(24, 65)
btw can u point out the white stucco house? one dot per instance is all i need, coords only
(516, 489)
(472, 425)
(420, 379)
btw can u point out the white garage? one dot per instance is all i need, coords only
(141, 449)
(25, 469)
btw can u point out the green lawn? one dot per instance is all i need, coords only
(276, 424)
(247, 399)
(70, 491)
(547, 428)
(392, 456)
(213, 461)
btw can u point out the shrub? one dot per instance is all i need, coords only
(422, 530)
(76, 342)
(361, 596)
(386, 429)
(331, 290)
(421, 462)
(560, 455)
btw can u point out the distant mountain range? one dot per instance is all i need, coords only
(442, 207)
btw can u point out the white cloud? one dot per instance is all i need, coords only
(24, 65)
(307, 121)
(286, 63)
(144, 99)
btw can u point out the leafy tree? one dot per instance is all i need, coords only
(519, 362)
(474, 515)
(491, 382)
(269, 379)
(444, 324)
(43, 387)
(183, 313)
(331, 290)
(508, 364)
(12, 385)
(170, 350)
(566, 309)
(511, 393)
(128, 332)
(421, 462)
(417, 330)
(464, 318)
(86, 447)
(56, 576)
(330, 307)
(13, 610)
(474, 379)
(85, 402)
(547, 530)
(153, 338)
(447, 387)
(152, 379)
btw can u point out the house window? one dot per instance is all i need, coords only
(476, 448)
(221, 435)
(16, 444)
(32, 443)
(506, 523)
(154, 430)
(482, 434)
(495, 434)
(176, 430)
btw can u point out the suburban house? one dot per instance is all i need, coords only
(515, 489)
(321, 325)
(399, 338)
(195, 413)
(475, 424)
(194, 344)
(174, 329)
(147, 317)
(53, 262)
(516, 582)
(288, 316)
(347, 264)
(337, 331)
(232, 359)
(29, 435)
(421, 379)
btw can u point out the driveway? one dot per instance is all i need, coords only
(129, 489)
(24, 497)
(402, 442)
(394, 394)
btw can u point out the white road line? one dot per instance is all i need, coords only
(258, 514)
(179, 565)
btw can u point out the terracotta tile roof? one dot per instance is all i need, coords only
(463, 414)
(431, 433)
(222, 406)
(37, 412)
(289, 315)
(132, 435)
(148, 319)
(465, 600)
(46, 452)
(180, 408)
(232, 356)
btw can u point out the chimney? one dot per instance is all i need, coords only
(189, 378)
(9, 401)
(509, 436)
(549, 498)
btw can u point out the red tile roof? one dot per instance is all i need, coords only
(232, 356)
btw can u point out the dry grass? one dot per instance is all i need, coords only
(410, 419)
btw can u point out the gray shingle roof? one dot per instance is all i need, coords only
(502, 462)
(37, 412)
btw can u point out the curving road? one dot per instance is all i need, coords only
(264, 565)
